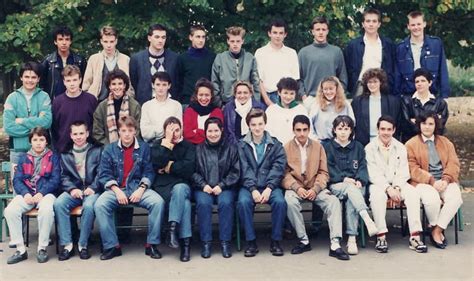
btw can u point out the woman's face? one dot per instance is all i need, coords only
(204, 96)
(242, 94)
(117, 88)
(343, 132)
(329, 90)
(213, 133)
(373, 85)
(422, 84)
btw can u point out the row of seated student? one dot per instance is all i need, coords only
(258, 169)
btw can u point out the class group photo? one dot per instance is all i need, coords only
(331, 161)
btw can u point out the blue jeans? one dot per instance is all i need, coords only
(106, 206)
(225, 210)
(62, 208)
(180, 209)
(355, 203)
(246, 205)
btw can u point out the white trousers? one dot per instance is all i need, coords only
(15, 210)
(431, 200)
(378, 204)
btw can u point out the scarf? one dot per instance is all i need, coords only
(243, 110)
(31, 183)
(111, 122)
(202, 110)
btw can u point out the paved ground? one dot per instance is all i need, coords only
(454, 263)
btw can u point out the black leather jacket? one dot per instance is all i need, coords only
(412, 108)
(52, 71)
(216, 165)
(70, 177)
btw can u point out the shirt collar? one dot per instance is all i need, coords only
(301, 146)
(135, 146)
(383, 146)
(417, 96)
(425, 139)
(378, 40)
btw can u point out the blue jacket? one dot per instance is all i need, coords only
(70, 177)
(269, 172)
(140, 75)
(50, 175)
(111, 166)
(432, 58)
(354, 54)
(229, 120)
(37, 115)
(346, 161)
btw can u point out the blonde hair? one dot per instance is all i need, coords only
(339, 99)
(242, 83)
(235, 31)
(109, 31)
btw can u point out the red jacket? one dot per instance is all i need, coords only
(191, 132)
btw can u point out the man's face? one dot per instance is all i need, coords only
(277, 35)
(213, 133)
(385, 131)
(161, 88)
(301, 132)
(38, 143)
(320, 32)
(343, 132)
(117, 88)
(416, 26)
(109, 42)
(257, 127)
(287, 96)
(127, 135)
(157, 40)
(72, 83)
(198, 39)
(371, 24)
(79, 135)
(30, 80)
(428, 127)
(235, 43)
(63, 43)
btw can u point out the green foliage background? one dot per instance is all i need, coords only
(25, 25)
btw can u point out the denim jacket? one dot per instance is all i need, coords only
(111, 166)
(432, 58)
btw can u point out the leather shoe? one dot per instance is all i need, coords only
(441, 245)
(84, 254)
(301, 248)
(17, 257)
(226, 251)
(276, 249)
(339, 254)
(206, 249)
(172, 239)
(108, 254)
(185, 254)
(65, 254)
(153, 252)
(42, 256)
(252, 249)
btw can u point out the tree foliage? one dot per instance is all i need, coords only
(25, 25)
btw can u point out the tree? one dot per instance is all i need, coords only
(25, 25)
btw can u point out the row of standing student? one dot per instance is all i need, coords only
(257, 171)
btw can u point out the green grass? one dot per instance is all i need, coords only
(461, 81)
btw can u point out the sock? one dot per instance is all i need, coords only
(351, 239)
(335, 244)
(41, 248)
(21, 248)
(304, 240)
(381, 236)
(68, 247)
(79, 247)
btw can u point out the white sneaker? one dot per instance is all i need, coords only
(371, 228)
(352, 248)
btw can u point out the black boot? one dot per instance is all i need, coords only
(185, 250)
(172, 239)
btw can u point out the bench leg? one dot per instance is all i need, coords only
(27, 240)
(456, 228)
(237, 231)
(57, 236)
(460, 219)
(1, 219)
(362, 232)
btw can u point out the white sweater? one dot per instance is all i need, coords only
(154, 114)
(280, 121)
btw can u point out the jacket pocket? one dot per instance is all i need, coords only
(432, 63)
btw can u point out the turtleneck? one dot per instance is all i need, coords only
(320, 45)
(197, 53)
(236, 55)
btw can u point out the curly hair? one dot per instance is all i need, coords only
(339, 99)
(375, 73)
